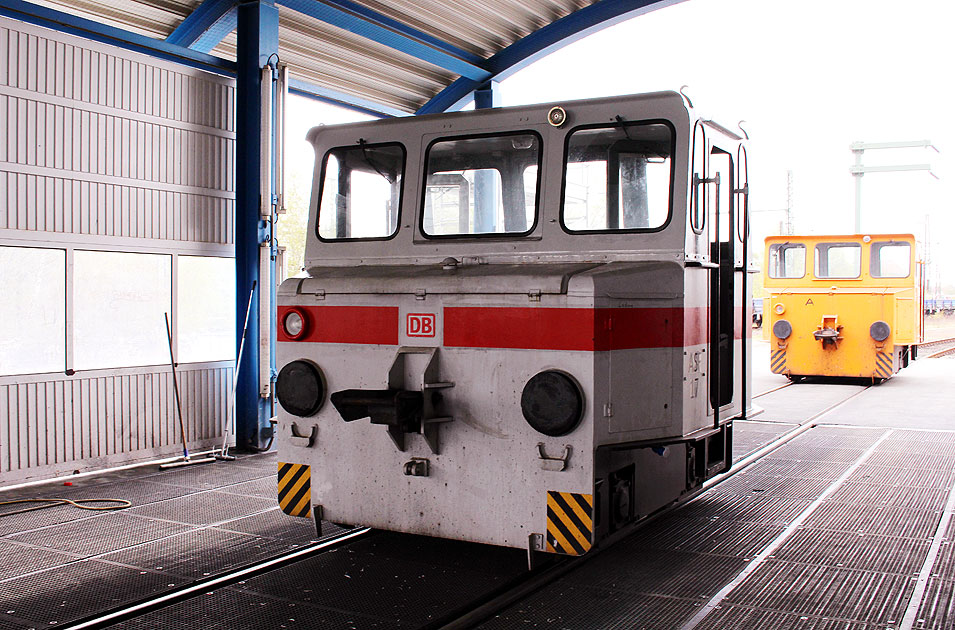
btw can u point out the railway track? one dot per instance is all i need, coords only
(198, 587)
(771, 390)
(487, 609)
(472, 612)
(939, 348)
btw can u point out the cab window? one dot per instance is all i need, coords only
(481, 186)
(838, 260)
(787, 260)
(361, 192)
(890, 259)
(617, 178)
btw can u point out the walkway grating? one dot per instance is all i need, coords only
(851, 563)
(61, 564)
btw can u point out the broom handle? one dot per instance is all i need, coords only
(175, 387)
(238, 362)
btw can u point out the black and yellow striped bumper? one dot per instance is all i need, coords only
(570, 523)
(883, 365)
(295, 489)
(777, 362)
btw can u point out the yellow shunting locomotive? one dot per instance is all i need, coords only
(843, 305)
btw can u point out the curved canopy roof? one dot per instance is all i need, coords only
(390, 57)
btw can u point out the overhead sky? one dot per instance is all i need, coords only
(809, 78)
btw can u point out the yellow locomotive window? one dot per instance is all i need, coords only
(787, 260)
(838, 260)
(481, 185)
(361, 192)
(890, 259)
(618, 178)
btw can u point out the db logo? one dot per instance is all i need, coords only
(420, 325)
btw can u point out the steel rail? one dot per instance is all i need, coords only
(948, 346)
(936, 342)
(528, 584)
(475, 611)
(137, 609)
(774, 389)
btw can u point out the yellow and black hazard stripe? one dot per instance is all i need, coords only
(295, 489)
(570, 523)
(883, 365)
(777, 362)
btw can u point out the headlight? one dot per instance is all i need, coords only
(880, 330)
(552, 403)
(294, 323)
(300, 388)
(782, 329)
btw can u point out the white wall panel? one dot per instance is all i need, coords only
(109, 150)
(131, 144)
(56, 424)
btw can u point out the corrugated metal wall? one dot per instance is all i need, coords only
(108, 150)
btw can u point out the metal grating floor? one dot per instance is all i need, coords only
(386, 581)
(850, 564)
(830, 531)
(61, 564)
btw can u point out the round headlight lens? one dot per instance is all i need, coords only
(880, 330)
(300, 388)
(782, 329)
(294, 324)
(552, 403)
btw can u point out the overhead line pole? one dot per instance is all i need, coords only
(858, 170)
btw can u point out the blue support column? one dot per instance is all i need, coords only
(485, 183)
(488, 95)
(258, 39)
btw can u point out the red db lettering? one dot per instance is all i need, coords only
(420, 325)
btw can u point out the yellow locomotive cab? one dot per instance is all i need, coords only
(844, 306)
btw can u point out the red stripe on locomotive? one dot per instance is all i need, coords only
(346, 324)
(525, 328)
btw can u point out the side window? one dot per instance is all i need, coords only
(787, 260)
(33, 311)
(890, 259)
(361, 192)
(838, 260)
(484, 185)
(617, 178)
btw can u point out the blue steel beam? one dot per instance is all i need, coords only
(197, 23)
(540, 43)
(217, 32)
(397, 39)
(334, 97)
(66, 23)
(404, 29)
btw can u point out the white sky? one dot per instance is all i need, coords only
(809, 78)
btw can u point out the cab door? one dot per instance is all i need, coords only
(723, 250)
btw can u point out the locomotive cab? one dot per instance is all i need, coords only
(521, 326)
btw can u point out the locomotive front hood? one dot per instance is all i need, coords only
(448, 277)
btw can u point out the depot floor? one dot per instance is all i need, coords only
(847, 525)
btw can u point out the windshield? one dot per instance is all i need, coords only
(618, 178)
(361, 192)
(480, 186)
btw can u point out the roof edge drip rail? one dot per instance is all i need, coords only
(341, 99)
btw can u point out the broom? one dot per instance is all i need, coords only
(224, 451)
(185, 461)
